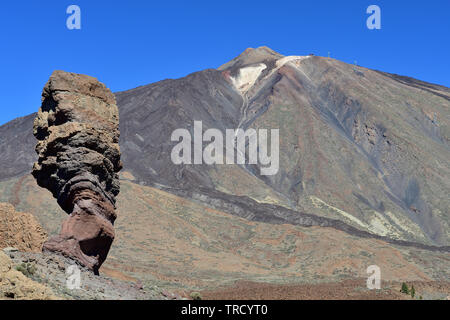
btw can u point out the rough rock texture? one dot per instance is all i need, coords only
(79, 160)
(50, 269)
(350, 289)
(20, 230)
(15, 285)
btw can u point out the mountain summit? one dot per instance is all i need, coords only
(252, 56)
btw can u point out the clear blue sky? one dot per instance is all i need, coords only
(130, 43)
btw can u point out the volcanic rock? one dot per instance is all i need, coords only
(15, 285)
(20, 230)
(79, 159)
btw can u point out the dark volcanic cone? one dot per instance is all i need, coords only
(79, 159)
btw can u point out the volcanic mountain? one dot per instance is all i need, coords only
(364, 175)
(364, 147)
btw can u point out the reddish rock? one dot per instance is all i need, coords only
(79, 159)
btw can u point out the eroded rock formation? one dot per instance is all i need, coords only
(79, 159)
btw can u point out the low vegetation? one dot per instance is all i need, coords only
(406, 290)
(196, 296)
(28, 269)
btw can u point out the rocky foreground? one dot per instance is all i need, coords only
(27, 275)
(40, 276)
(353, 289)
(16, 285)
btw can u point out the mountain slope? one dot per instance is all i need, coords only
(358, 145)
(365, 147)
(180, 243)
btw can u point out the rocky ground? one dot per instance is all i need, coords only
(345, 290)
(47, 272)
(15, 285)
(27, 275)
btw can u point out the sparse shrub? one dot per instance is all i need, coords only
(404, 288)
(196, 296)
(27, 269)
(412, 291)
(22, 268)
